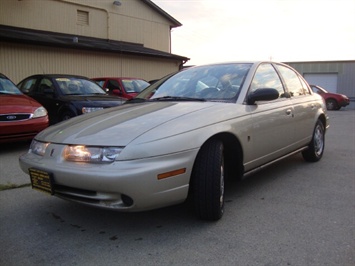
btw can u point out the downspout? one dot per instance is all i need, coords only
(181, 66)
(170, 39)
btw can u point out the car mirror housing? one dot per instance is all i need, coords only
(117, 92)
(264, 94)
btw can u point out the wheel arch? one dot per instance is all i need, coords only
(233, 154)
(334, 101)
(331, 99)
(323, 119)
(67, 108)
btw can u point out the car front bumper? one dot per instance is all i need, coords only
(121, 185)
(344, 103)
(22, 130)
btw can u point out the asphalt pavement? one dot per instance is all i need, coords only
(291, 213)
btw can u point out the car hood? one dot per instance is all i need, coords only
(119, 126)
(335, 95)
(17, 103)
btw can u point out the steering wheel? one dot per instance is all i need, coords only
(210, 92)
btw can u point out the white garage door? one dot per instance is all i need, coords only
(327, 81)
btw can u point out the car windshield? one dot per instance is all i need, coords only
(318, 89)
(134, 85)
(219, 82)
(78, 86)
(7, 87)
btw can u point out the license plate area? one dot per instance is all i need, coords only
(41, 180)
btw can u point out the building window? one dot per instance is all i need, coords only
(82, 17)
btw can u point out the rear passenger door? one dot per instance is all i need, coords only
(303, 103)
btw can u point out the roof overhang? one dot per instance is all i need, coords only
(174, 22)
(68, 41)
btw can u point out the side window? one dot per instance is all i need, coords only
(266, 77)
(100, 82)
(293, 82)
(45, 86)
(28, 85)
(113, 85)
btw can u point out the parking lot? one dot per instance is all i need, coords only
(291, 213)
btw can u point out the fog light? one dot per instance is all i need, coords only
(128, 201)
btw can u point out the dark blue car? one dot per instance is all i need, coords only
(66, 96)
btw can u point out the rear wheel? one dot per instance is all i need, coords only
(316, 148)
(208, 181)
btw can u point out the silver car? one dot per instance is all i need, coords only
(183, 135)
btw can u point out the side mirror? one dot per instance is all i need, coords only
(264, 94)
(117, 92)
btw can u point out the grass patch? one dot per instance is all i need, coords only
(12, 186)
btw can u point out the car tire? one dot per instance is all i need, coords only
(208, 181)
(316, 147)
(66, 115)
(332, 104)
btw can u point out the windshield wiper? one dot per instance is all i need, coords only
(178, 98)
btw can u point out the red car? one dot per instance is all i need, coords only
(334, 101)
(124, 87)
(21, 117)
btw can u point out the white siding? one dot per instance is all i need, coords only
(327, 81)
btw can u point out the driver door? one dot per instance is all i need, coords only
(272, 121)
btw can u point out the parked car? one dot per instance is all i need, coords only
(334, 101)
(66, 96)
(21, 117)
(183, 135)
(126, 88)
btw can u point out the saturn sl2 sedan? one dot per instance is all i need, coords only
(180, 138)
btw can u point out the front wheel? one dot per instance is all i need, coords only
(66, 115)
(332, 105)
(316, 148)
(208, 181)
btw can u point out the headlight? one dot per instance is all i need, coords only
(80, 153)
(40, 111)
(86, 110)
(38, 148)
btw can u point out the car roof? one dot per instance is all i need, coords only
(3, 76)
(116, 78)
(57, 76)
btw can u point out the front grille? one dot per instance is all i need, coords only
(14, 117)
(71, 190)
(18, 136)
